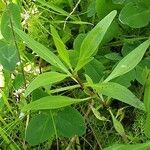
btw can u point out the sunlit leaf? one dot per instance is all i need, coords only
(119, 92)
(61, 48)
(44, 79)
(129, 61)
(42, 51)
(51, 102)
(93, 39)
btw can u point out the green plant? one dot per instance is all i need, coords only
(44, 98)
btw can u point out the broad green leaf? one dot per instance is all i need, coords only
(73, 55)
(39, 129)
(143, 146)
(119, 92)
(129, 61)
(42, 51)
(12, 13)
(126, 79)
(94, 69)
(103, 7)
(61, 48)
(51, 102)
(69, 122)
(38, 93)
(112, 32)
(93, 39)
(44, 79)
(8, 56)
(78, 41)
(135, 15)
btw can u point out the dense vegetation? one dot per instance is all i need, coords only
(75, 74)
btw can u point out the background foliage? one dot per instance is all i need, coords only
(74, 74)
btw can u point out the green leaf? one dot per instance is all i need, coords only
(93, 39)
(44, 79)
(112, 32)
(69, 122)
(61, 48)
(103, 7)
(39, 129)
(135, 15)
(113, 56)
(51, 102)
(141, 74)
(147, 106)
(18, 81)
(78, 41)
(147, 95)
(118, 1)
(143, 146)
(117, 125)
(94, 69)
(38, 93)
(91, 9)
(129, 61)
(54, 7)
(12, 13)
(97, 114)
(8, 56)
(147, 126)
(126, 79)
(73, 55)
(42, 51)
(119, 92)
